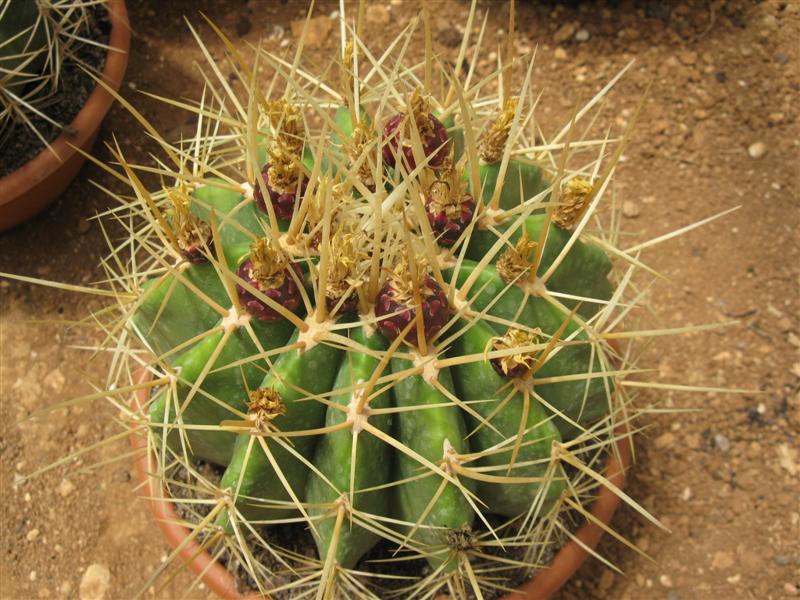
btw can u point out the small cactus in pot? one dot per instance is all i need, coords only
(36, 37)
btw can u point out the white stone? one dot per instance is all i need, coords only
(66, 487)
(630, 209)
(757, 150)
(94, 582)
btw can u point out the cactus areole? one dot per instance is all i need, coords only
(409, 356)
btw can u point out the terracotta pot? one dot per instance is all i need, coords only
(565, 563)
(28, 190)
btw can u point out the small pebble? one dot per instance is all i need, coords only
(565, 32)
(757, 150)
(65, 588)
(790, 589)
(582, 35)
(84, 226)
(560, 54)
(781, 58)
(664, 440)
(32, 576)
(722, 442)
(722, 560)
(66, 487)
(781, 560)
(673, 596)
(606, 580)
(94, 582)
(630, 209)
(666, 581)
(32, 535)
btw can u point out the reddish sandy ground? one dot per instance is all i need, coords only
(723, 479)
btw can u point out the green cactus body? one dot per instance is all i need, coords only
(170, 311)
(24, 46)
(582, 272)
(503, 407)
(491, 294)
(334, 456)
(522, 182)
(344, 124)
(239, 222)
(296, 375)
(581, 401)
(221, 392)
(176, 299)
(456, 134)
(428, 432)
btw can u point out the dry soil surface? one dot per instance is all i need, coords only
(718, 129)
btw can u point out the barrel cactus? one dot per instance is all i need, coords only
(380, 310)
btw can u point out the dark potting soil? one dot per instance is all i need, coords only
(296, 539)
(21, 144)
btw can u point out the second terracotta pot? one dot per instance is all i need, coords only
(30, 189)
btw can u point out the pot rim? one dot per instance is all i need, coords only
(541, 586)
(17, 185)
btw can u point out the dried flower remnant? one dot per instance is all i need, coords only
(522, 361)
(572, 203)
(515, 262)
